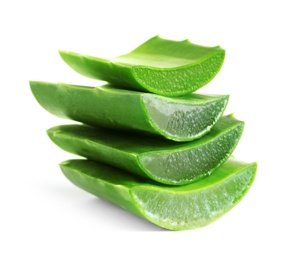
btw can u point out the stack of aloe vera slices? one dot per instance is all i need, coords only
(152, 146)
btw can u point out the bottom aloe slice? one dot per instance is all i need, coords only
(161, 160)
(171, 207)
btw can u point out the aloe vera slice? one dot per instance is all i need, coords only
(161, 160)
(164, 67)
(180, 119)
(171, 207)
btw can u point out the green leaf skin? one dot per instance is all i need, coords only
(180, 119)
(160, 66)
(171, 207)
(161, 160)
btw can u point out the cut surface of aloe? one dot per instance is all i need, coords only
(171, 207)
(180, 119)
(164, 67)
(158, 159)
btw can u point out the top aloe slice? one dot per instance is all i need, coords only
(161, 160)
(171, 207)
(164, 67)
(180, 119)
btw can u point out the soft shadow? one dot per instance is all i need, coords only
(104, 211)
(118, 217)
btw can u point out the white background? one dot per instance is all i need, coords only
(43, 216)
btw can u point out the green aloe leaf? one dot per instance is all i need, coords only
(180, 119)
(171, 207)
(164, 67)
(159, 159)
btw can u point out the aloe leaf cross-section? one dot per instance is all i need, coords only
(159, 159)
(180, 119)
(171, 207)
(161, 66)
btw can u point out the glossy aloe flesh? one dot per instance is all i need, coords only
(164, 67)
(171, 207)
(161, 160)
(181, 119)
